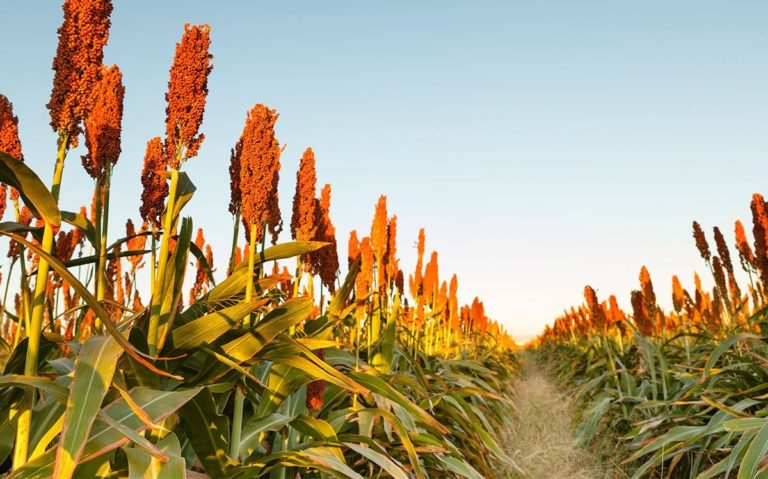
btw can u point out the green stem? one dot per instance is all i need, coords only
(153, 255)
(21, 447)
(249, 276)
(97, 206)
(155, 310)
(102, 213)
(234, 244)
(297, 277)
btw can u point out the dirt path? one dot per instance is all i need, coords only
(540, 438)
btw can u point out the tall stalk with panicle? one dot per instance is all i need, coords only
(102, 137)
(379, 249)
(186, 97)
(258, 156)
(77, 67)
(326, 259)
(304, 218)
(234, 202)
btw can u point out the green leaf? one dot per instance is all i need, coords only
(83, 224)
(44, 384)
(722, 348)
(460, 467)
(104, 438)
(209, 328)
(376, 384)
(383, 461)
(198, 253)
(326, 457)
(314, 427)
(402, 433)
(13, 227)
(94, 369)
(280, 319)
(33, 191)
(232, 288)
(287, 351)
(158, 405)
(143, 466)
(91, 259)
(255, 426)
(47, 421)
(340, 298)
(745, 424)
(134, 437)
(755, 454)
(171, 290)
(184, 191)
(208, 432)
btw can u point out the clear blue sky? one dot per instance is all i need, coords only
(543, 145)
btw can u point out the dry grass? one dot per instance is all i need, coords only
(540, 437)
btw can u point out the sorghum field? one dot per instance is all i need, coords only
(679, 393)
(122, 357)
(128, 351)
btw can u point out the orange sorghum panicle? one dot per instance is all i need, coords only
(187, 93)
(9, 143)
(77, 63)
(104, 122)
(701, 241)
(353, 248)
(415, 281)
(719, 274)
(678, 294)
(616, 314)
(442, 299)
(327, 257)
(234, 180)
(760, 232)
(365, 276)
(316, 389)
(431, 278)
(303, 224)
(9, 130)
(640, 313)
(400, 282)
(259, 158)
(136, 242)
(453, 304)
(477, 314)
(647, 288)
(391, 261)
(745, 251)
(154, 182)
(379, 230)
(722, 250)
(595, 311)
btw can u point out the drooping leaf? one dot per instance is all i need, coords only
(83, 224)
(89, 299)
(33, 191)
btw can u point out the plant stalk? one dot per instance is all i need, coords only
(21, 448)
(154, 317)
